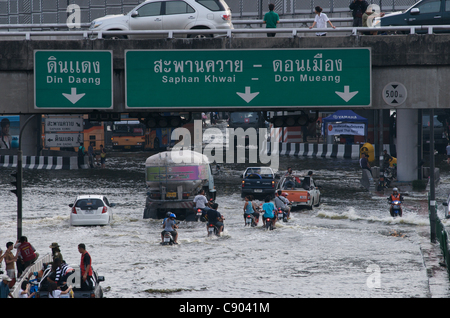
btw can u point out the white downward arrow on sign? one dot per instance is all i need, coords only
(73, 97)
(346, 95)
(247, 96)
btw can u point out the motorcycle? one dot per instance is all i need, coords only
(269, 224)
(282, 215)
(388, 177)
(396, 207)
(250, 220)
(390, 173)
(212, 229)
(198, 214)
(167, 239)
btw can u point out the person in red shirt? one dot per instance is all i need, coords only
(27, 253)
(85, 267)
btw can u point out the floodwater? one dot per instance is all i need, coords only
(347, 247)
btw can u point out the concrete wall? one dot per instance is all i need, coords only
(420, 62)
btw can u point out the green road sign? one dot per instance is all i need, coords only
(73, 79)
(248, 78)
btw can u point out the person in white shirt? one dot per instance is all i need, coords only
(200, 200)
(25, 290)
(321, 20)
(55, 292)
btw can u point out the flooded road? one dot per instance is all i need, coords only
(347, 247)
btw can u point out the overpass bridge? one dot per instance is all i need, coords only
(419, 62)
(406, 73)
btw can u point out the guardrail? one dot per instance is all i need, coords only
(294, 32)
(441, 237)
(83, 26)
(35, 267)
(289, 21)
(44, 26)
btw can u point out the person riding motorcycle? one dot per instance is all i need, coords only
(250, 208)
(395, 196)
(269, 211)
(282, 202)
(200, 200)
(215, 218)
(170, 226)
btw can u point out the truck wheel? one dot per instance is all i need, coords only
(318, 203)
(150, 213)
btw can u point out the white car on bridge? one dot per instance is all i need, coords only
(168, 15)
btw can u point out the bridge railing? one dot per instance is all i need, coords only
(441, 237)
(52, 26)
(293, 32)
(85, 26)
(256, 8)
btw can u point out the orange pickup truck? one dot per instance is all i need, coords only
(301, 191)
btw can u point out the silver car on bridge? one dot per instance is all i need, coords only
(169, 15)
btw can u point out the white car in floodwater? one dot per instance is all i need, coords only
(91, 210)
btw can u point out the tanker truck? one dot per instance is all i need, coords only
(172, 186)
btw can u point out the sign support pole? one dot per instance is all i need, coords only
(19, 179)
(433, 215)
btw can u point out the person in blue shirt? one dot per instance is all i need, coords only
(4, 287)
(250, 208)
(268, 208)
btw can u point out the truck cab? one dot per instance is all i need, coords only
(259, 182)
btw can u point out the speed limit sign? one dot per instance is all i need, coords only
(394, 94)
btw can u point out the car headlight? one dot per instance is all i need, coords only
(95, 24)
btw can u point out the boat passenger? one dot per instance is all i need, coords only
(85, 267)
(56, 252)
(27, 253)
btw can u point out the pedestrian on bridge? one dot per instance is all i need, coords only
(358, 8)
(321, 20)
(271, 19)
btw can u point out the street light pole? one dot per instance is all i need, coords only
(19, 179)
